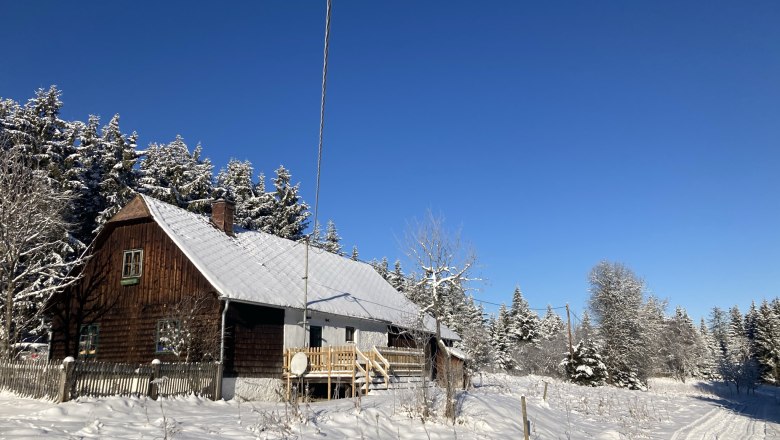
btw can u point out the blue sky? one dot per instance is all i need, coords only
(553, 134)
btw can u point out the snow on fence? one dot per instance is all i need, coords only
(35, 379)
(72, 379)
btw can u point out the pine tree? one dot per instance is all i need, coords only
(585, 366)
(117, 164)
(738, 366)
(551, 325)
(475, 337)
(616, 303)
(381, 268)
(254, 206)
(499, 339)
(524, 322)
(681, 345)
(87, 169)
(289, 214)
(198, 182)
(767, 343)
(585, 329)
(709, 352)
(172, 174)
(355, 254)
(332, 241)
(719, 329)
(396, 278)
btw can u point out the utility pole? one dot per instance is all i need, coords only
(568, 322)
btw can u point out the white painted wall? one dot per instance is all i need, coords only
(367, 333)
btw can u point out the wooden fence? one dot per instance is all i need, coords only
(35, 379)
(72, 379)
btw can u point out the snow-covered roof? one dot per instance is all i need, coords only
(261, 268)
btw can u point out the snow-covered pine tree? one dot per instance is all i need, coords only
(332, 242)
(719, 329)
(551, 325)
(499, 339)
(37, 131)
(767, 343)
(253, 204)
(524, 322)
(653, 322)
(680, 345)
(738, 366)
(289, 214)
(616, 303)
(381, 267)
(709, 351)
(172, 174)
(198, 182)
(585, 366)
(355, 255)
(396, 278)
(118, 173)
(585, 330)
(475, 337)
(86, 171)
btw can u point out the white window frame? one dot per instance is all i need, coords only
(132, 267)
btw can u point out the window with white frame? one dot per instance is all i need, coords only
(132, 264)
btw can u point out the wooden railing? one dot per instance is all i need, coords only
(381, 364)
(404, 361)
(349, 362)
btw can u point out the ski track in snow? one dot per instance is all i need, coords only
(752, 419)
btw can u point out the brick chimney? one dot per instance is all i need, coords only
(222, 215)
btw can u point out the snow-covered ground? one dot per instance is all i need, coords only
(669, 410)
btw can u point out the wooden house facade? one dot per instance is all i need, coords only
(164, 283)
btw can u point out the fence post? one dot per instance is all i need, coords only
(218, 382)
(526, 428)
(153, 388)
(66, 378)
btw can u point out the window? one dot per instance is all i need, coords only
(315, 336)
(350, 334)
(133, 263)
(88, 340)
(168, 336)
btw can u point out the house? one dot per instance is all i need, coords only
(169, 284)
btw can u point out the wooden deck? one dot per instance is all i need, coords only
(357, 368)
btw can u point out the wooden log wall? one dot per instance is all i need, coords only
(254, 344)
(127, 315)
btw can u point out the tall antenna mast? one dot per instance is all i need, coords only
(319, 167)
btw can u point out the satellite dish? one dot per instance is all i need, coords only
(299, 364)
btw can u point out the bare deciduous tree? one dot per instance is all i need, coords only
(192, 336)
(33, 246)
(444, 267)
